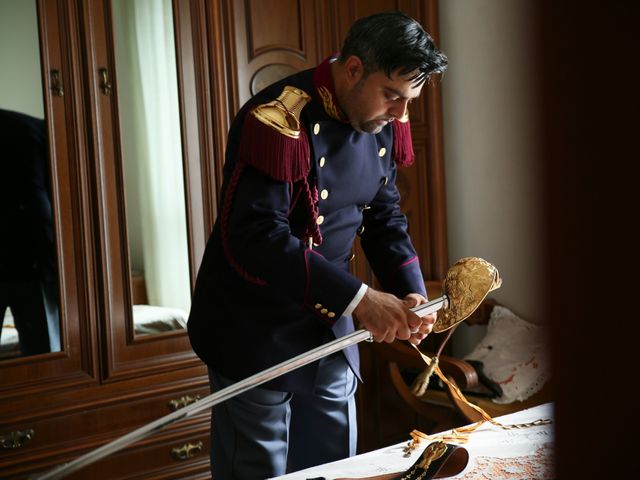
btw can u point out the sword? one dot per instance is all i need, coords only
(231, 391)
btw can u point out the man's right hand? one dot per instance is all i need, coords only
(387, 317)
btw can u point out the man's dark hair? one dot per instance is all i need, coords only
(393, 41)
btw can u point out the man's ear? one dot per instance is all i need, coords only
(353, 69)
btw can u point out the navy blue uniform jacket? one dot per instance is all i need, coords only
(27, 247)
(239, 327)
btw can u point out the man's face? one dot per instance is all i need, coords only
(374, 100)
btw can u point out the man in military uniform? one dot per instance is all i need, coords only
(310, 164)
(28, 277)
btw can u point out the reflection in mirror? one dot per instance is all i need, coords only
(152, 157)
(29, 313)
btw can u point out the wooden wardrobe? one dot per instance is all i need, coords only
(107, 380)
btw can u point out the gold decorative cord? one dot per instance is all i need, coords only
(461, 434)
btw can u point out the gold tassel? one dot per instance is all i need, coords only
(421, 383)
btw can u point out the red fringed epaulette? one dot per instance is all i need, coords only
(402, 142)
(273, 140)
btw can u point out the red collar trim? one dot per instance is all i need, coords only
(325, 90)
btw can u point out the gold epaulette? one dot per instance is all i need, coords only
(283, 113)
(273, 140)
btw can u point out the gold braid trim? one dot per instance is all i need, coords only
(327, 101)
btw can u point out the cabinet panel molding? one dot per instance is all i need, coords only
(274, 25)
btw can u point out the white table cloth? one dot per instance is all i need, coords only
(494, 453)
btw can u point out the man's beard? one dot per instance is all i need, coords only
(371, 126)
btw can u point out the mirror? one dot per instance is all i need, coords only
(151, 145)
(29, 307)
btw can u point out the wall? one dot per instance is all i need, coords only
(20, 85)
(492, 177)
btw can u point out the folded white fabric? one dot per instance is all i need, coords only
(514, 354)
(154, 319)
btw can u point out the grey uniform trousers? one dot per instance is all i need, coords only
(264, 433)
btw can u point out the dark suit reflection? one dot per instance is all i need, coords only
(28, 279)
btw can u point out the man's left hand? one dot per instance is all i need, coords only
(413, 300)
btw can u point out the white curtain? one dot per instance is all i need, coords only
(149, 117)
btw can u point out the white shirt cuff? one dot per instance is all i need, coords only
(356, 300)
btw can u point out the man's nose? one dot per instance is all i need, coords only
(399, 109)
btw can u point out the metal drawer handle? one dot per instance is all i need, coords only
(106, 83)
(16, 439)
(57, 83)
(182, 402)
(187, 451)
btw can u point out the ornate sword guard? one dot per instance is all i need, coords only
(466, 285)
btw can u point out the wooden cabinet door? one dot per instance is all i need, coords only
(26, 377)
(135, 100)
(80, 93)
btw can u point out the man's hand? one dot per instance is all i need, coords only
(388, 317)
(426, 325)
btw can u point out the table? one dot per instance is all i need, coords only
(494, 453)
